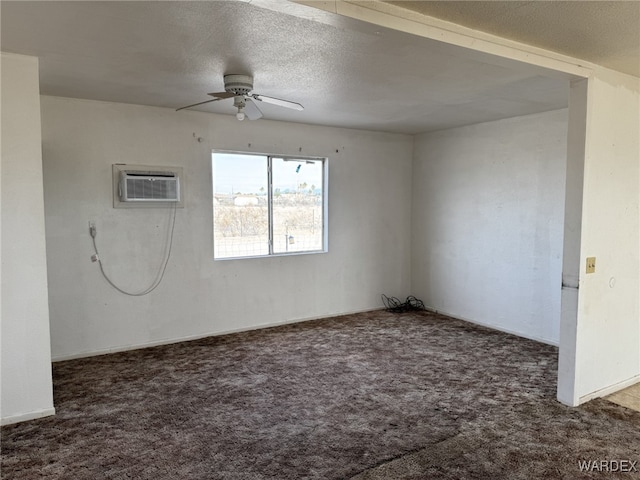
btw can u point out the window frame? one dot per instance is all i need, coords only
(270, 194)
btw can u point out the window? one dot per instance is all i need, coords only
(267, 205)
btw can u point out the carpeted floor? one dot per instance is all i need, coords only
(367, 396)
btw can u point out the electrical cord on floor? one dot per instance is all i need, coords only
(393, 304)
(159, 277)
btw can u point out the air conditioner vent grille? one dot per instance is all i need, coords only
(151, 189)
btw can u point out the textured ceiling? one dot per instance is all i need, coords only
(346, 73)
(603, 32)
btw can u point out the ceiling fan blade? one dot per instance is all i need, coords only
(222, 95)
(251, 110)
(196, 104)
(277, 101)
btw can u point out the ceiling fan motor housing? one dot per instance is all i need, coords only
(238, 84)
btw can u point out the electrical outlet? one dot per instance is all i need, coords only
(591, 264)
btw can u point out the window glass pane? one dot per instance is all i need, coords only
(297, 205)
(240, 205)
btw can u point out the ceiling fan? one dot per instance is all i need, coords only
(239, 88)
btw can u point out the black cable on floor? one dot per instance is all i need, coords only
(393, 304)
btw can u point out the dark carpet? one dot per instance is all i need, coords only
(368, 396)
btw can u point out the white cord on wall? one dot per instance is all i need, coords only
(159, 277)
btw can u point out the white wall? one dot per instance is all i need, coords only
(571, 261)
(26, 355)
(606, 341)
(369, 225)
(488, 222)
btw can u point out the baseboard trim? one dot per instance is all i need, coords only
(169, 341)
(23, 417)
(603, 392)
(496, 327)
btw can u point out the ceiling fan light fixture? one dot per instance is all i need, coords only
(239, 103)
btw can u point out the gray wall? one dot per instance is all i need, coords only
(488, 216)
(369, 227)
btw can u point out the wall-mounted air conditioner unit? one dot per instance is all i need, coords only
(139, 185)
(149, 187)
